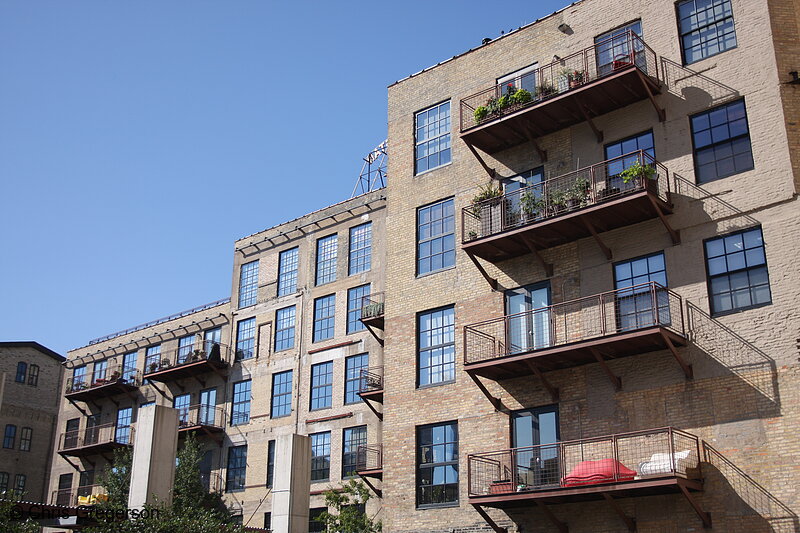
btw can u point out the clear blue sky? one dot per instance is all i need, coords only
(138, 140)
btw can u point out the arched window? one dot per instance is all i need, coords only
(33, 375)
(22, 371)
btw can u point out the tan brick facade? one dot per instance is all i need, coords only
(741, 398)
(31, 375)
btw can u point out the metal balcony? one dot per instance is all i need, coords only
(584, 203)
(609, 75)
(372, 310)
(95, 440)
(109, 382)
(189, 361)
(203, 419)
(641, 463)
(369, 461)
(371, 384)
(609, 325)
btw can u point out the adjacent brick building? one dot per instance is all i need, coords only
(29, 399)
(636, 144)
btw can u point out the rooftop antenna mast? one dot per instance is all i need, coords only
(373, 171)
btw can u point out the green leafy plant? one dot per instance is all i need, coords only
(481, 112)
(579, 192)
(531, 205)
(557, 199)
(545, 89)
(485, 192)
(9, 521)
(346, 512)
(638, 171)
(521, 97)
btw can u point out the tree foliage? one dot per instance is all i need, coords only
(9, 517)
(193, 508)
(348, 506)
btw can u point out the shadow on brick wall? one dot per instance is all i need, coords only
(738, 356)
(742, 500)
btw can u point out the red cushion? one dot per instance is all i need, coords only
(602, 471)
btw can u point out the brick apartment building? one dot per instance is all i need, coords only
(609, 341)
(29, 399)
(589, 296)
(284, 355)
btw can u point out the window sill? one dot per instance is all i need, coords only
(434, 506)
(434, 169)
(740, 310)
(426, 274)
(433, 385)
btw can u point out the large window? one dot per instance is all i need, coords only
(99, 372)
(129, 366)
(152, 358)
(314, 524)
(320, 456)
(436, 341)
(326, 259)
(436, 240)
(240, 408)
(245, 338)
(321, 385)
(25, 438)
(615, 150)
(635, 300)
(284, 328)
(79, 377)
(237, 468)
(19, 483)
(437, 464)
(248, 284)
(122, 431)
(181, 403)
(10, 436)
(33, 375)
(324, 317)
(721, 142)
(614, 48)
(22, 372)
(270, 463)
(353, 366)
(185, 348)
(287, 272)
(737, 272)
(3, 482)
(355, 297)
(281, 394)
(352, 438)
(360, 249)
(432, 137)
(706, 28)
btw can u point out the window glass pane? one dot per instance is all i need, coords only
(436, 338)
(240, 408)
(355, 300)
(432, 137)
(320, 456)
(287, 272)
(281, 394)
(324, 318)
(321, 385)
(437, 464)
(360, 248)
(737, 272)
(706, 28)
(722, 142)
(284, 328)
(352, 385)
(436, 237)
(248, 284)
(237, 468)
(245, 338)
(327, 251)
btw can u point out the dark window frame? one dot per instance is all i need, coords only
(288, 266)
(22, 372)
(240, 402)
(709, 277)
(682, 34)
(10, 436)
(33, 375)
(350, 449)
(438, 237)
(352, 383)
(322, 458)
(248, 284)
(324, 326)
(354, 324)
(719, 143)
(245, 346)
(284, 332)
(438, 138)
(271, 463)
(279, 381)
(418, 325)
(236, 469)
(25, 439)
(359, 253)
(321, 396)
(327, 258)
(419, 464)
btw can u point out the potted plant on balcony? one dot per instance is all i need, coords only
(153, 367)
(643, 176)
(165, 363)
(578, 194)
(557, 200)
(573, 78)
(532, 206)
(544, 90)
(486, 207)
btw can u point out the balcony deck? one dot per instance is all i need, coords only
(372, 310)
(636, 464)
(568, 91)
(592, 329)
(202, 419)
(371, 384)
(369, 461)
(582, 203)
(85, 392)
(180, 365)
(95, 440)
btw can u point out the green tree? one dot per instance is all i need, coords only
(9, 518)
(117, 478)
(189, 492)
(347, 505)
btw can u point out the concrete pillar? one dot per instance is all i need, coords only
(292, 484)
(155, 446)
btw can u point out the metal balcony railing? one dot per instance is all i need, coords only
(114, 374)
(596, 184)
(201, 415)
(95, 436)
(622, 458)
(592, 317)
(209, 351)
(371, 380)
(372, 306)
(369, 457)
(602, 59)
(86, 495)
